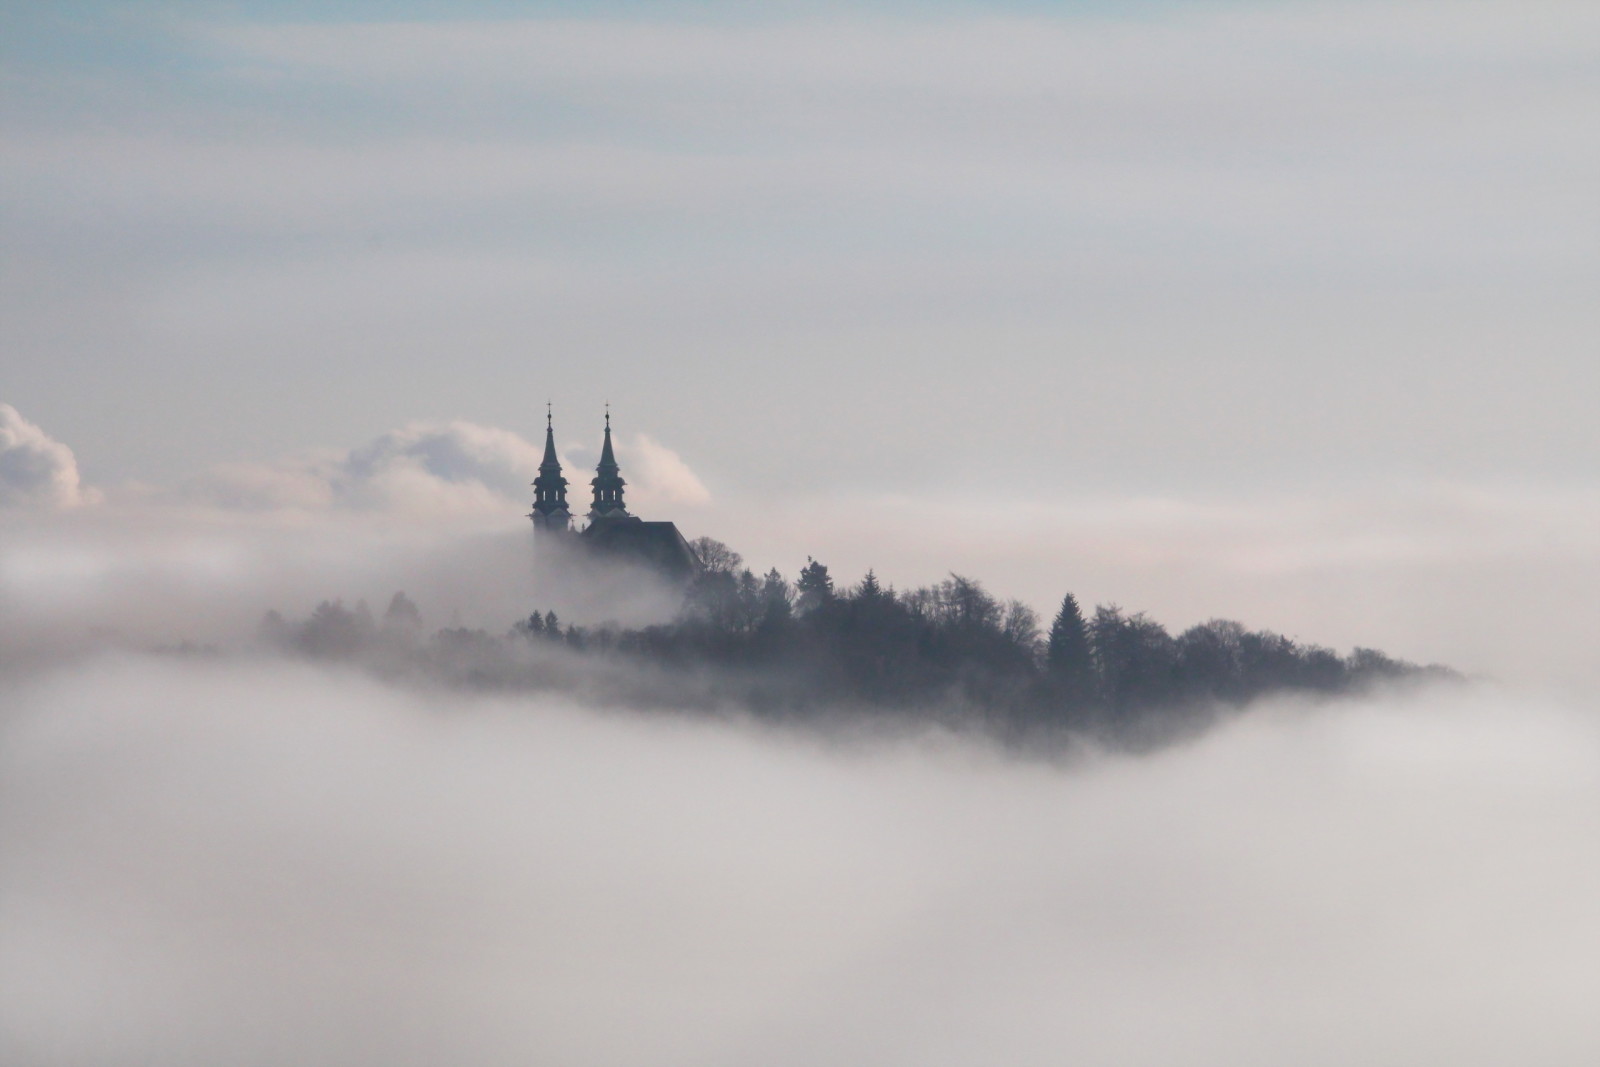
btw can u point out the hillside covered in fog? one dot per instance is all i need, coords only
(949, 652)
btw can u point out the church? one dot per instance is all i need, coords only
(611, 532)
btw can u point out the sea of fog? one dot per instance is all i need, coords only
(222, 857)
(247, 860)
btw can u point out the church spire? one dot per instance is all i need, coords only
(608, 481)
(550, 462)
(550, 488)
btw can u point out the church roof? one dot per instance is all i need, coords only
(611, 532)
(654, 544)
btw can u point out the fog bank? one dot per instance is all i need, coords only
(1495, 581)
(145, 578)
(262, 862)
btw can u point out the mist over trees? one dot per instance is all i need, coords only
(950, 651)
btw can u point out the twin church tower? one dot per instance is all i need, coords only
(611, 531)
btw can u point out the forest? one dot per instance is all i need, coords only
(949, 652)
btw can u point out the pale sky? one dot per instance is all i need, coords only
(970, 249)
(1279, 311)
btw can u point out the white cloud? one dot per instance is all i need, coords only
(423, 468)
(36, 470)
(420, 469)
(440, 468)
(429, 464)
(659, 478)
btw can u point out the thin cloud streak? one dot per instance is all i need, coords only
(1069, 120)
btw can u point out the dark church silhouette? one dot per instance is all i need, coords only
(611, 533)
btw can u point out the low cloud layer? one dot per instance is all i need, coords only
(430, 468)
(267, 863)
(1493, 579)
(36, 470)
(421, 468)
(424, 470)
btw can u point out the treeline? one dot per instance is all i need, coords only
(949, 649)
(953, 644)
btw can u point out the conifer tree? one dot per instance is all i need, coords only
(870, 589)
(402, 614)
(776, 595)
(814, 586)
(1069, 661)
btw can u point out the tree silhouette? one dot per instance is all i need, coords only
(716, 556)
(1069, 663)
(950, 649)
(814, 587)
